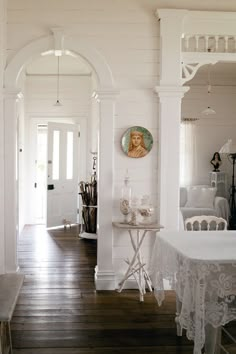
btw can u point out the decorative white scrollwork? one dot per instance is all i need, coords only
(189, 71)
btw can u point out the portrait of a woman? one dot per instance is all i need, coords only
(136, 142)
(137, 146)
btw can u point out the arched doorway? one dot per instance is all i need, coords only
(105, 93)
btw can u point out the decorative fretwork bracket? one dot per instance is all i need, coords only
(189, 71)
(192, 62)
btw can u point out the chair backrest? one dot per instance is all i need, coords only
(205, 222)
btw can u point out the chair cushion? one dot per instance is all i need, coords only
(189, 212)
(201, 197)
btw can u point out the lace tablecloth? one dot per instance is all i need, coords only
(201, 268)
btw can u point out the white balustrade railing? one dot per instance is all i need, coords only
(209, 43)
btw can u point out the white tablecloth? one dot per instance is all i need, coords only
(201, 268)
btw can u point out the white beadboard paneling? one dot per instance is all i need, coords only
(141, 69)
(135, 95)
(138, 56)
(129, 30)
(114, 30)
(64, 110)
(20, 35)
(87, 16)
(136, 44)
(149, 121)
(139, 81)
(139, 106)
(79, 4)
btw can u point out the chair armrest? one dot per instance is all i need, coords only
(221, 206)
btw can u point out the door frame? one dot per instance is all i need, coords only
(32, 138)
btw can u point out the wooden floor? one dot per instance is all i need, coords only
(60, 312)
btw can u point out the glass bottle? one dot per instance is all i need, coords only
(125, 201)
(146, 210)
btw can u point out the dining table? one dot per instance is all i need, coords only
(200, 266)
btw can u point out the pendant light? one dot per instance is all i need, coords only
(58, 103)
(208, 110)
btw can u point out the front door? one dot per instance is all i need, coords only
(62, 176)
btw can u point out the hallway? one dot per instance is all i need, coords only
(59, 311)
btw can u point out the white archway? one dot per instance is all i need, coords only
(106, 93)
(197, 38)
(77, 46)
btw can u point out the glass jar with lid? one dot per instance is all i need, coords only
(146, 210)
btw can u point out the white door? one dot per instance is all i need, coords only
(62, 181)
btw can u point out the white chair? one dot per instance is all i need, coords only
(205, 222)
(201, 200)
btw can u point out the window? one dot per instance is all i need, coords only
(69, 157)
(187, 151)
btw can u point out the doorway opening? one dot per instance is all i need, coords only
(55, 173)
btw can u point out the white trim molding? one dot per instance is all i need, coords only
(105, 280)
(73, 46)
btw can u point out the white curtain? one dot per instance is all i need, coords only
(187, 152)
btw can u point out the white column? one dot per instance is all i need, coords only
(171, 30)
(10, 177)
(170, 93)
(105, 276)
(169, 153)
(3, 19)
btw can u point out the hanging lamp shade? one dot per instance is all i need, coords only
(58, 103)
(208, 111)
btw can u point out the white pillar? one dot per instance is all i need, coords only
(171, 30)
(3, 19)
(105, 275)
(170, 93)
(10, 177)
(169, 154)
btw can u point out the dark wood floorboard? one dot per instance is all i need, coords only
(60, 312)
